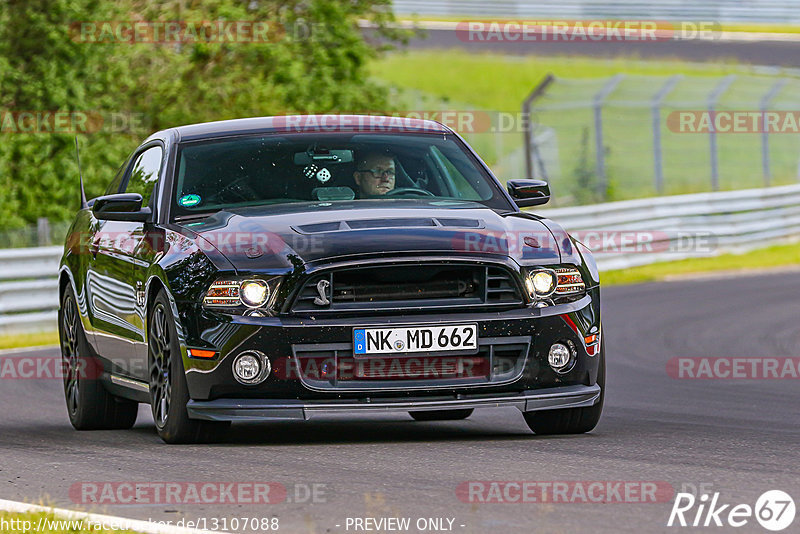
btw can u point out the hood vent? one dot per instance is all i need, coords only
(377, 224)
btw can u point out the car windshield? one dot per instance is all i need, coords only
(326, 168)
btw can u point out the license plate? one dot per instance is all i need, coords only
(415, 339)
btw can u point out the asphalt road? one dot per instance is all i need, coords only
(736, 437)
(773, 53)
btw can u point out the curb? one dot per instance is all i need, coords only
(29, 349)
(108, 521)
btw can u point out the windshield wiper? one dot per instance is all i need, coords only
(195, 216)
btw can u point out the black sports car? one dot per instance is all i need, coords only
(278, 268)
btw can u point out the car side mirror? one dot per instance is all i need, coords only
(529, 192)
(120, 207)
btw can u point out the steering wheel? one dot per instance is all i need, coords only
(413, 190)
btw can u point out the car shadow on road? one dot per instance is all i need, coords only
(361, 431)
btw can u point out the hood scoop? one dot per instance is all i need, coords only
(378, 224)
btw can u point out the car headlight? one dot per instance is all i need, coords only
(254, 293)
(245, 295)
(563, 281)
(541, 284)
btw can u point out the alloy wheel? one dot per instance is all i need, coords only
(70, 354)
(160, 361)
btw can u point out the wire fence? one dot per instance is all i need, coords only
(495, 135)
(627, 137)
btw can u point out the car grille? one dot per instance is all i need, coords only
(415, 368)
(417, 286)
(334, 367)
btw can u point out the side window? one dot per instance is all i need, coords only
(144, 174)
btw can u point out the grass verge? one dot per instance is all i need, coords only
(774, 257)
(501, 82)
(43, 523)
(36, 339)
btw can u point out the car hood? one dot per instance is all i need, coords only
(288, 236)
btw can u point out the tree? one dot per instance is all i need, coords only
(314, 60)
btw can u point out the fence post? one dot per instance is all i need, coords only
(537, 92)
(599, 100)
(43, 231)
(765, 102)
(658, 101)
(713, 100)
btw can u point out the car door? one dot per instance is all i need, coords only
(99, 279)
(118, 272)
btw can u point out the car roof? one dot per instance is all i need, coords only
(308, 124)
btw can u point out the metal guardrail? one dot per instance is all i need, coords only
(640, 232)
(782, 11)
(29, 289)
(622, 235)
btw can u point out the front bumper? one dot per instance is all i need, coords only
(578, 396)
(286, 339)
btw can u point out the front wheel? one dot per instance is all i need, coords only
(441, 415)
(571, 420)
(169, 393)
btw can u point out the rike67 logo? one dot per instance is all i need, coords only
(774, 510)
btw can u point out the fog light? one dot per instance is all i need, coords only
(560, 357)
(251, 368)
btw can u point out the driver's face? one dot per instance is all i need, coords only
(375, 175)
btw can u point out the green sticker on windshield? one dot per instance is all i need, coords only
(187, 201)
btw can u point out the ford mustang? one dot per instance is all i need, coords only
(280, 268)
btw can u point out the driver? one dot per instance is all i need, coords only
(375, 174)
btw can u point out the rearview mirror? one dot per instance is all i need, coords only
(120, 207)
(322, 155)
(529, 192)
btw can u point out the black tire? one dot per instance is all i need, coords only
(169, 393)
(571, 420)
(89, 405)
(441, 415)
